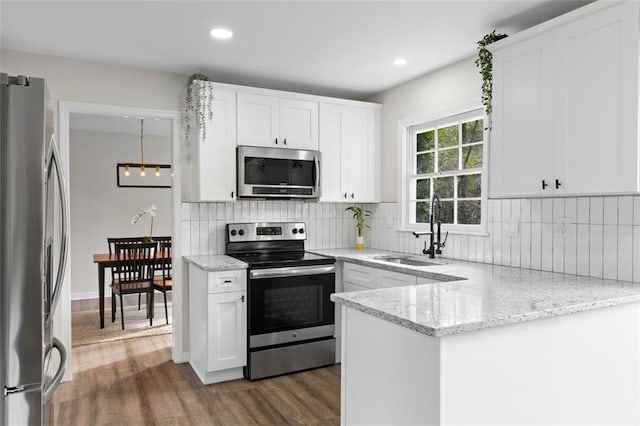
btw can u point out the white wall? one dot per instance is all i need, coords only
(448, 86)
(99, 208)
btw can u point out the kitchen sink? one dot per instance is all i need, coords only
(403, 260)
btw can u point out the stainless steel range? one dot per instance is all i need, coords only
(291, 321)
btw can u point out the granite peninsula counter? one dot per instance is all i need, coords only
(493, 344)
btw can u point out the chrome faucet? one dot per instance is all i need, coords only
(435, 243)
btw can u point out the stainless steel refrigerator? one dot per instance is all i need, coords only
(33, 251)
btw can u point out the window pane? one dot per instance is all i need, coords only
(469, 212)
(443, 187)
(424, 163)
(469, 186)
(425, 141)
(472, 131)
(471, 157)
(422, 189)
(446, 212)
(448, 160)
(422, 212)
(448, 136)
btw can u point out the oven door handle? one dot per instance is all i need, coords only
(257, 274)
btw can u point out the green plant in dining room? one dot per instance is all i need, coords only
(360, 215)
(151, 212)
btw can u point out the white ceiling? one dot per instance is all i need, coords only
(334, 48)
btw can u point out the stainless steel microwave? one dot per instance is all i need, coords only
(278, 172)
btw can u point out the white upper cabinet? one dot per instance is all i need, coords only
(209, 166)
(565, 104)
(350, 145)
(273, 121)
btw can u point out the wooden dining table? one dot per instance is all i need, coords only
(106, 260)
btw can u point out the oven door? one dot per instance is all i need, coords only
(288, 305)
(282, 173)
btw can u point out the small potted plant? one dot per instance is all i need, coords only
(360, 216)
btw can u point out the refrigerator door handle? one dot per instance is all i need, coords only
(54, 160)
(57, 378)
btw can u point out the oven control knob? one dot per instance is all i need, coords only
(241, 232)
(301, 231)
(233, 232)
(295, 231)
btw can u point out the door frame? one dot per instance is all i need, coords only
(179, 324)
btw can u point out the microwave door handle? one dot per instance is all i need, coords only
(317, 170)
(54, 160)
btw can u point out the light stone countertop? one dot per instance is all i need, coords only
(212, 263)
(490, 296)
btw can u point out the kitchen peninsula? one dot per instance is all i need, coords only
(503, 346)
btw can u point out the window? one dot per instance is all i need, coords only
(445, 157)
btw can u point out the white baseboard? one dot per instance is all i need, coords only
(83, 296)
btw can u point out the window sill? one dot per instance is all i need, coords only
(480, 233)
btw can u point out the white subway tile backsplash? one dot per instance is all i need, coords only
(496, 210)
(515, 209)
(595, 251)
(625, 211)
(204, 211)
(547, 210)
(610, 211)
(506, 209)
(596, 211)
(557, 254)
(186, 211)
(583, 210)
(636, 210)
(525, 245)
(536, 210)
(536, 245)
(525, 210)
(558, 209)
(547, 246)
(636, 253)
(570, 249)
(610, 252)
(570, 205)
(582, 251)
(625, 252)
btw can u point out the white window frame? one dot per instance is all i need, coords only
(406, 129)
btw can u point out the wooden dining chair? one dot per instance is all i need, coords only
(133, 274)
(123, 240)
(164, 283)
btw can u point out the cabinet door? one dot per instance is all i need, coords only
(330, 142)
(521, 140)
(349, 146)
(360, 275)
(258, 120)
(348, 287)
(395, 279)
(216, 171)
(299, 124)
(227, 332)
(358, 149)
(596, 117)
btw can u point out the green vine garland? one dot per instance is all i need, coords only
(486, 67)
(199, 104)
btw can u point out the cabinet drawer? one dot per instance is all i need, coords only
(226, 281)
(360, 275)
(396, 279)
(348, 287)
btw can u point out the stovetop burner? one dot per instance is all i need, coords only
(276, 259)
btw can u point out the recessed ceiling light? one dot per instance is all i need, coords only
(398, 62)
(221, 33)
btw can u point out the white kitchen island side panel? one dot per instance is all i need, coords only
(582, 368)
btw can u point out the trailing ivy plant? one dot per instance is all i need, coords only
(485, 65)
(199, 104)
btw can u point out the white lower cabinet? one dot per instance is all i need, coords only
(357, 277)
(217, 323)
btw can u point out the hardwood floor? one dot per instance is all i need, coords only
(135, 382)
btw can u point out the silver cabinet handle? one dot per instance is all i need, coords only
(242, 298)
(317, 173)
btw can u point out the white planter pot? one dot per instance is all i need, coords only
(360, 243)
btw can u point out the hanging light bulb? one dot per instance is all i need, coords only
(157, 170)
(142, 171)
(126, 170)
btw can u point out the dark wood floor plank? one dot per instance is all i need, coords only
(135, 382)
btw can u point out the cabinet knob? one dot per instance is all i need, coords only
(276, 141)
(284, 141)
(242, 298)
(231, 194)
(345, 195)
(353, 195)
(544, 185)
(558, 184)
